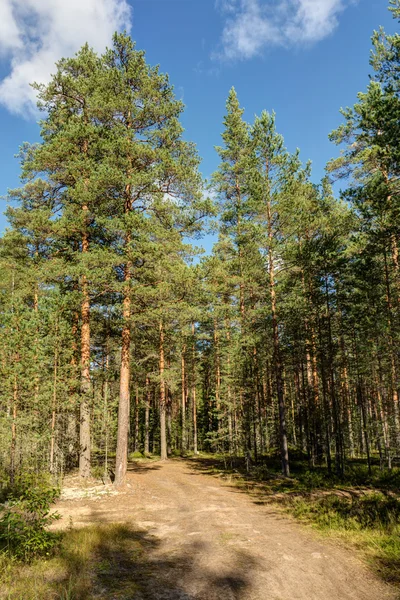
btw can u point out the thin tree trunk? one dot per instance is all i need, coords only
(36, 310)
(14, 432)
(393, 366)
(277, 354)
(136, 438)
(105, 418)
(84, 416)
(125, 369)
(217, 382)
(383, 415)
(84, 429)
(53, 414)
(339, 458)
(163, 408)
(169, 420)
(147, 418)
(124, 392)
(194, 402)
(183, 408)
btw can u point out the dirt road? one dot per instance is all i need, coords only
(205, 540)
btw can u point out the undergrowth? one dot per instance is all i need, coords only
(25, 517)
(100, 561)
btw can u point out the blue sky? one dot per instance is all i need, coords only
(303, 58)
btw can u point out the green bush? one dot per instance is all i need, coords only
(133, 455)
(97, 471)
(312, 480)
(23, 524)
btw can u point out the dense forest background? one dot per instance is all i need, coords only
(118, 337)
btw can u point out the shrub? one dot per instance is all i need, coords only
(24, 523)
(312, 480)
(133, 455)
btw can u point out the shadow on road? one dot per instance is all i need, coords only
(271, 489)
(115, 561)
(140, 468)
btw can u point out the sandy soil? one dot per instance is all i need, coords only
(206, 540)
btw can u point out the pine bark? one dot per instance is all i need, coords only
(278, 368)
(125, 369)
(183, 406)
(84, 411)
(147, 418)
(53, 412)
(84, 429)
(194, 401)
(163, 406)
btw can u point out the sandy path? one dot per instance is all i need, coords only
(208, 541)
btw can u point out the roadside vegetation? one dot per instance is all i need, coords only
(94, 562)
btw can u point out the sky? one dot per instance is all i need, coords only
(304, 59)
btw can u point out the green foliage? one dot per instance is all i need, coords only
(97, 561)
(24, 524)
(97, 471)
(137, 454)
(359, 510)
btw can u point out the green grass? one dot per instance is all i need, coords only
(360, 510)
(102, 561)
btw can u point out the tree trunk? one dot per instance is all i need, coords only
(147, 418)
(84, 416)
(183, 408)
(53, 413)
(195, 450)
(163, 407)
(14, 431)
(393, 370)
(217, 382)
(125, 373)
(339, 458)
(124, 392)
(84, 429)
(277, 354)
(105, 417)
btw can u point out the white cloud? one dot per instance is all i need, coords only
(34, 34)
(252, 25)
(9, 32)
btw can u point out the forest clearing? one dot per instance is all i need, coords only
(206, 425)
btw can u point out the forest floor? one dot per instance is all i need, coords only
(177, 533)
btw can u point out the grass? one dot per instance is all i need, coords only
(360, 510)
(102, 561)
